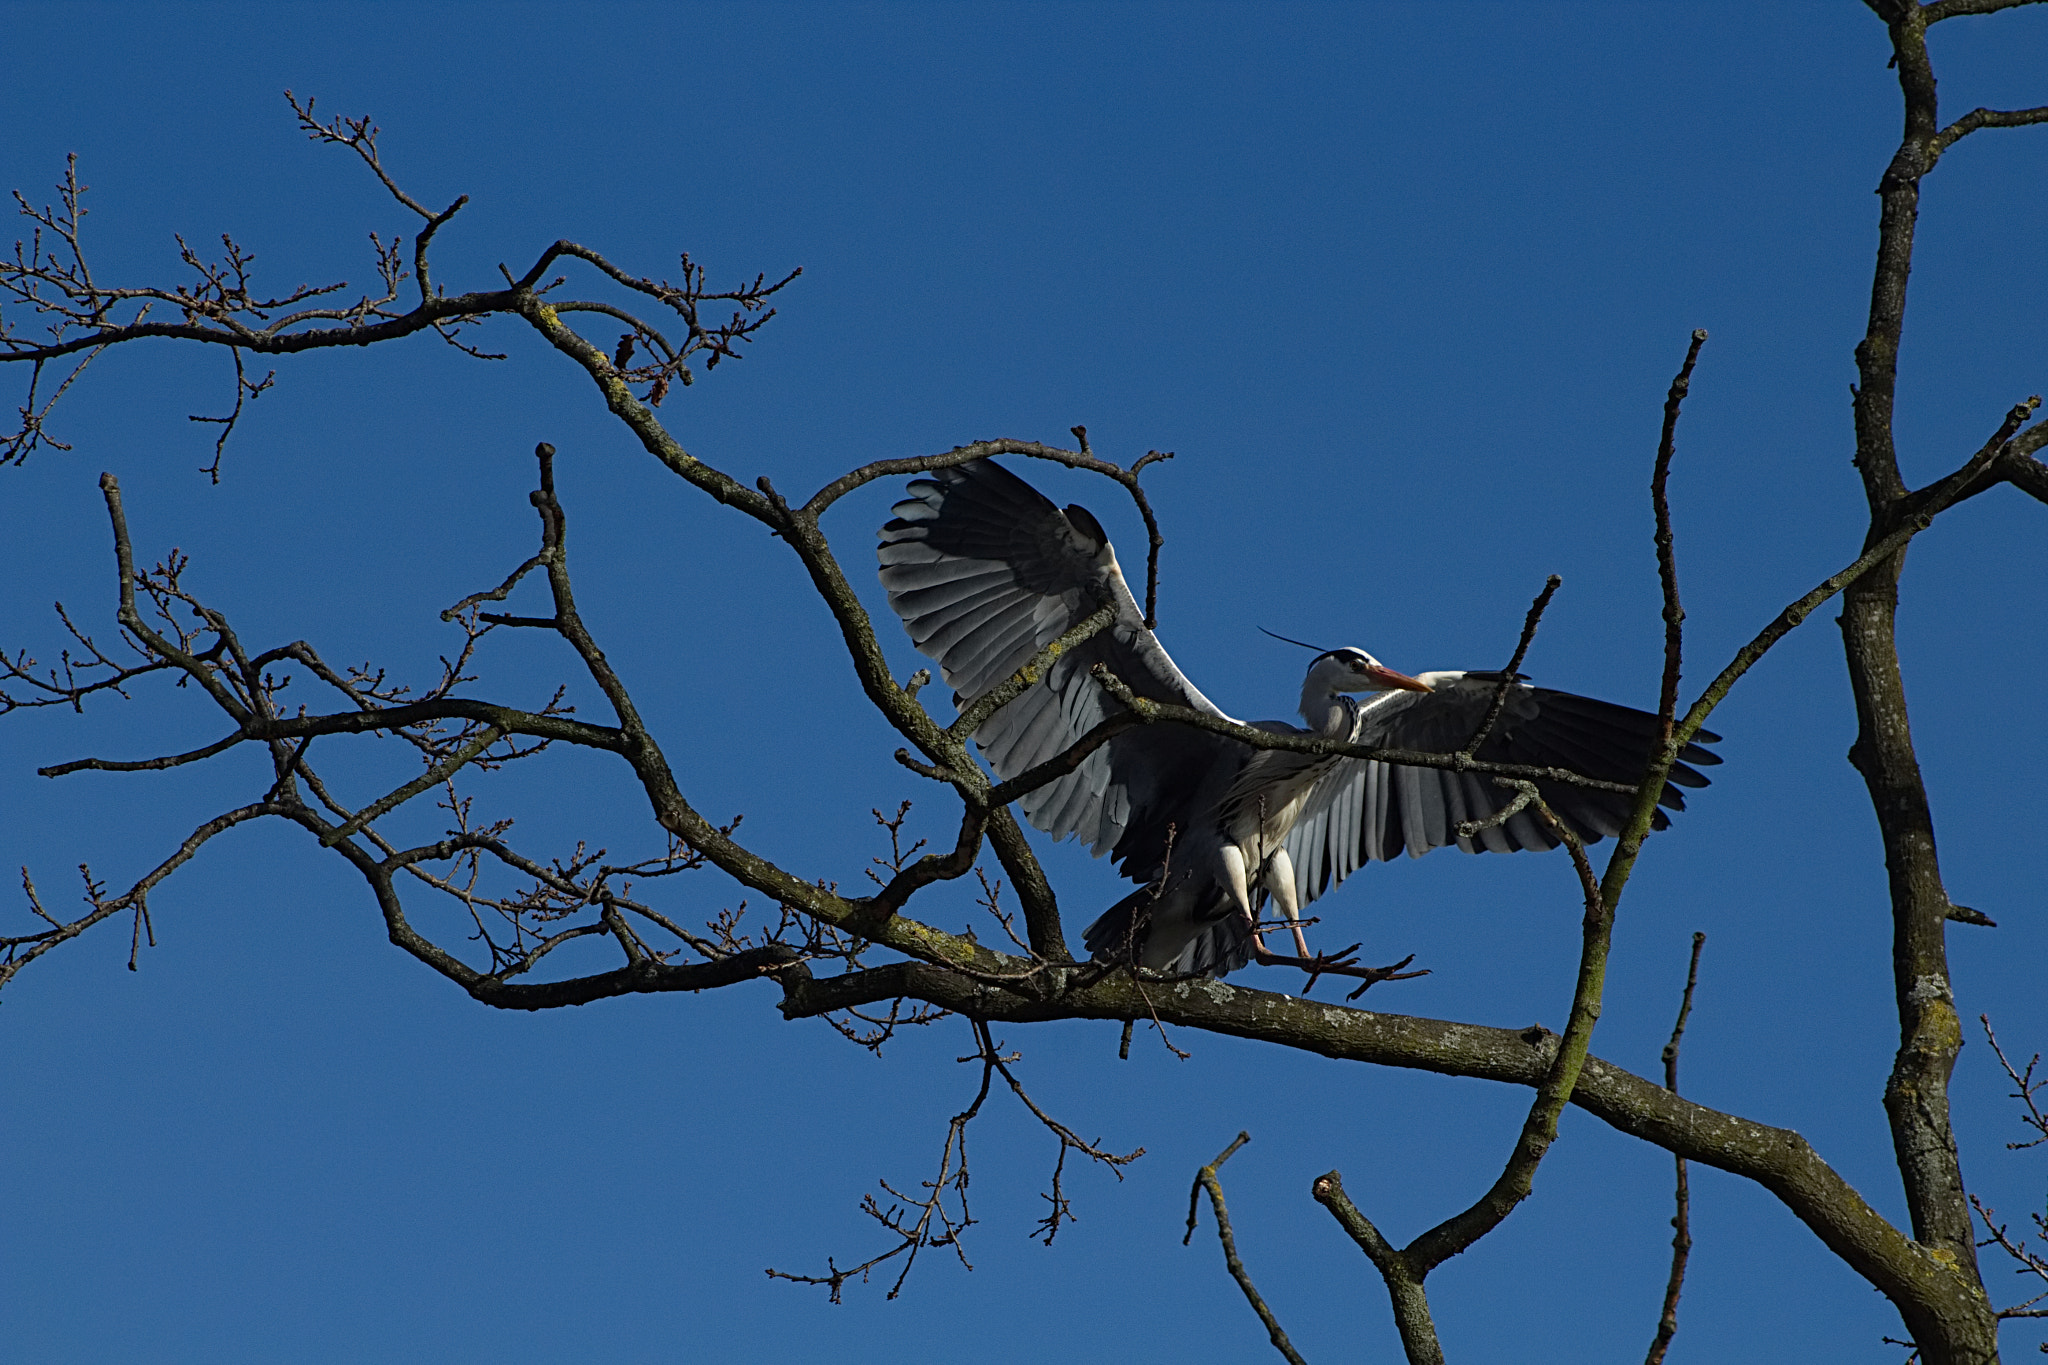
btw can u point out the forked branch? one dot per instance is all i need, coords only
(940, 1216)
(1207, 1178)
(50, 277)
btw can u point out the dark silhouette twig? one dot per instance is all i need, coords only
(1681, 1219)
(1206, 1178)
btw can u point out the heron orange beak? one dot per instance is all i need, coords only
(1388, 678)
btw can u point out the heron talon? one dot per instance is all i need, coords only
(1337, 964)
(1372, 976)
(1339, 961)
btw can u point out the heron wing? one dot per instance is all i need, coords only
(1363, 810)
(985, 571)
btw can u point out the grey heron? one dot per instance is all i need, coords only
(985, 571)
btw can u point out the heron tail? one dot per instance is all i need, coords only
(1199, 934)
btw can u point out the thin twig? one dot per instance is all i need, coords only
(1084, 458)
(1206, 1179)
(1878, 552)
(1512, 673)
(1681, 1219)
(917, 1233)
(1667, 561)
(1061, 1211)
(2025, 1087)
(1525, 792)
(1986, 118)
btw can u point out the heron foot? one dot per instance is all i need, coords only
(1372, 976)
(1341, 963)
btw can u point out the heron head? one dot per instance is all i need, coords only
(1354, 670)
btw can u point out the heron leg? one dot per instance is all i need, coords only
(1279, 879)
(1232, 858)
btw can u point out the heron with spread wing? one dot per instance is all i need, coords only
(985, 572)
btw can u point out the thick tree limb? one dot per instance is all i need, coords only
(1776, 1158)
(1961, 1327)
(1931, 1035)
(1412, 1318)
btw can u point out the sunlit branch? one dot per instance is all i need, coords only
(1681, 1218)
(1667, 559)
(1512, 673)
(1207, 1178)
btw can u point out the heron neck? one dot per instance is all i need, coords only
(1332, 715)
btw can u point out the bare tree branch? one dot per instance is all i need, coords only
(1207, 1178)
(1085, 458)
(1667, 561)
(1778, 1159)
(18, 951)
(1681, 1218)
(245, 389)
(221, 306)
(1874, 557)
(919, 1223)
(1952, 9)
(1960, 1326)
(1512, 673)
(1986, 118)
(1412, 1318)
(1405, 1269)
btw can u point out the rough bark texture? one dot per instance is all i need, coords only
(1960, 1326)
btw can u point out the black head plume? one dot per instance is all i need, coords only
(1286, 641)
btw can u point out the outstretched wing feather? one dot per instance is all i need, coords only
(985, 572)
(1363, 810)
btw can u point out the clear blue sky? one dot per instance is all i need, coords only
(1402, 286)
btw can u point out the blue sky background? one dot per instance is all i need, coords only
(1402, 286)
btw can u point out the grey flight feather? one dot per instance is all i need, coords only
(1022, 573)
(1364, 811)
